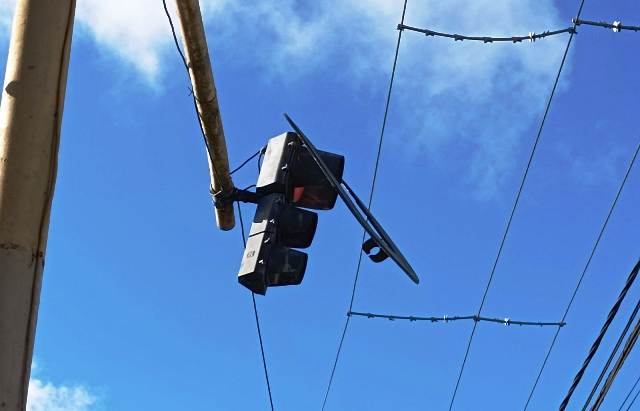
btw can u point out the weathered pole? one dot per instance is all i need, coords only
(204, 89)
(30, 118)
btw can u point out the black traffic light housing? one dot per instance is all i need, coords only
(296, 174)
(289, 178)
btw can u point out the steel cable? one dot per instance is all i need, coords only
(584, 271)
(373, 184)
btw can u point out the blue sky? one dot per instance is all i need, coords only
(140, 304)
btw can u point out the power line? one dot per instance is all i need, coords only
(446, 319)
(629, 394)
(616, 26)
(193, 95)
(584, 271)
(633, 400)
(631, 342)
(613, 353)
(244, 163)
(373, 184)
(515, 205)
(255, 312)
(596, 344)
(488, 39)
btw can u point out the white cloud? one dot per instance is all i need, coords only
(6, 14)
(49, 397)
(450, 94)
(45, 396)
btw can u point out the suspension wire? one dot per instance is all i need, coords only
(596, 344)
(616, 26)
(629, 394)
(373, 185)
(255, 312)
(633, 400)
(191, 92)
(446, 319)
(244, 163)
(513, 210)
(612, 355)
(631, 342)
(584, 271)
(487, 39)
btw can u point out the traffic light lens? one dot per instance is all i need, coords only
(311, 189)
(296, 227)
(286, 267)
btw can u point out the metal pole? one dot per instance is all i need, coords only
(204, 89)
(30, 118)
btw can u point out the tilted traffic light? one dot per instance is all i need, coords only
(289, 178)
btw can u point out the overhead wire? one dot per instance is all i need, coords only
(515, 206)
(191, 92)
(628, 347)
(635, 397)
(244, 163)
(629, 394)
(446, 319)
(488, 39)
(603, 330)
(255, 312)
(612, 354)
(616, 26)
(371, 192)
(584, 271)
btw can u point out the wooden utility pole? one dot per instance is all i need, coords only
(204, 89)
(30, 119)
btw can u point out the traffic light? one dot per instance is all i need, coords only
(289, 179)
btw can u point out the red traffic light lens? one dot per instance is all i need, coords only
(310, 188)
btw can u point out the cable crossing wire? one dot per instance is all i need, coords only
(446, 319)
(373, 185)
(596, 344)
(616, 26)
(255, 312)
(513, 210)
(584, 271)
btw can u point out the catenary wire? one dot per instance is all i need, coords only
(629, 394)
(255, 312)
(596, 344)
(446, 319)
(513, 210)
(373, 184)
(584, 271)
(612, 354)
